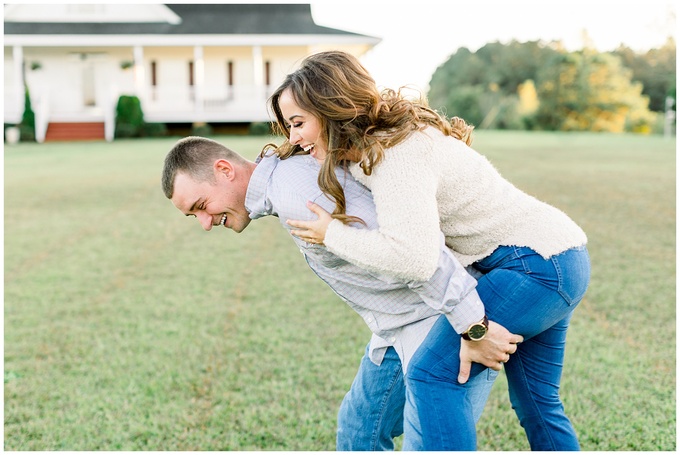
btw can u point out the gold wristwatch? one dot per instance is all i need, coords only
(476, 331)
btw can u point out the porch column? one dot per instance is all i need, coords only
(18, 57)
(258, 73)
(199, 79)
(138, 53)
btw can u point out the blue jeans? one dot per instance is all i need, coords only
(530, 296)
(372, 412)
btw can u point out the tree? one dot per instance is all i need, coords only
(527, 104)
(496, 86)
(586, 91)
(509, 65)
(655, 69)
(482, 87)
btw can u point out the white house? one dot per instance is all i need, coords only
(187, 63)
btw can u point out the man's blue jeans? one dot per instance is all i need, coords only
(372, 412)
(530, 296)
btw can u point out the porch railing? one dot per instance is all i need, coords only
(40, 101)
(166, 104)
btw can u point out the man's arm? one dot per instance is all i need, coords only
(493, 351)
(452, 291)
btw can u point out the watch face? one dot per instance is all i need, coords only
(477, 332)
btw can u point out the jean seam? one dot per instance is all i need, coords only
(525, 264)
(533, 402)
(560, 281)
(376, 429)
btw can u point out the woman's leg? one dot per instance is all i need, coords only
(439, 414)
(534, 374)
(478, 390)
(535, 297)
(526, 294)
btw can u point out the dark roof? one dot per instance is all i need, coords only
(202, 19)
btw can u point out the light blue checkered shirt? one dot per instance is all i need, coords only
(399, 314)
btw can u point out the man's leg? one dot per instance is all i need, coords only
(479, 389)
(372, 412)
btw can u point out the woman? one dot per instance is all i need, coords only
(426, 180)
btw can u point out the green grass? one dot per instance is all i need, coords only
(127, 327)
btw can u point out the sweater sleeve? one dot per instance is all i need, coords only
(406, 246)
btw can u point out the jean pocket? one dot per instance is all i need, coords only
(573, 268)
(500, 256)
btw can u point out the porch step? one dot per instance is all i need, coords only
(82, 131)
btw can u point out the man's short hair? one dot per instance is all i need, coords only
(195, 157)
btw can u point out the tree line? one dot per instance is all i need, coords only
(540, 86)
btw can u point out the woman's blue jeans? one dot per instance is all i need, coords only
(530, 296)
(372, 413)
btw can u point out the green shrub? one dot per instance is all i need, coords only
(27, 125)
(154, 130)
(26, 133)
(125, 130)
(201, 129)
(259, 129)
(129, 117)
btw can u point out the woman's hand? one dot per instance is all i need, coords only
(312, 231)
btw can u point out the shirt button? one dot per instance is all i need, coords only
(369, 320)
(393, 339)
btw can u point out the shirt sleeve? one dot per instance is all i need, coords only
(451, 291)
(406, 244)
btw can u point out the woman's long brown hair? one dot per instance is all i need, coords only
(357, 119)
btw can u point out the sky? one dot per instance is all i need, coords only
(420, 35)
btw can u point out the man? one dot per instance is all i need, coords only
(220, 188)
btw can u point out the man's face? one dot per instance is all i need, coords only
(219, 203)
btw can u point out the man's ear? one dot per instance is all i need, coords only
(225, 168)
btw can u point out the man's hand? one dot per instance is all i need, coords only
(493, 351)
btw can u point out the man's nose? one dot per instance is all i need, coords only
(205, 220)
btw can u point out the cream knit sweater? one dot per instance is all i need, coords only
(431, 183)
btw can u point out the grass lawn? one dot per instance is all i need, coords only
(127, 327)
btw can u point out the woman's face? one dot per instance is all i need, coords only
(304, 128)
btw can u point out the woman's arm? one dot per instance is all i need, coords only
(406, 246)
